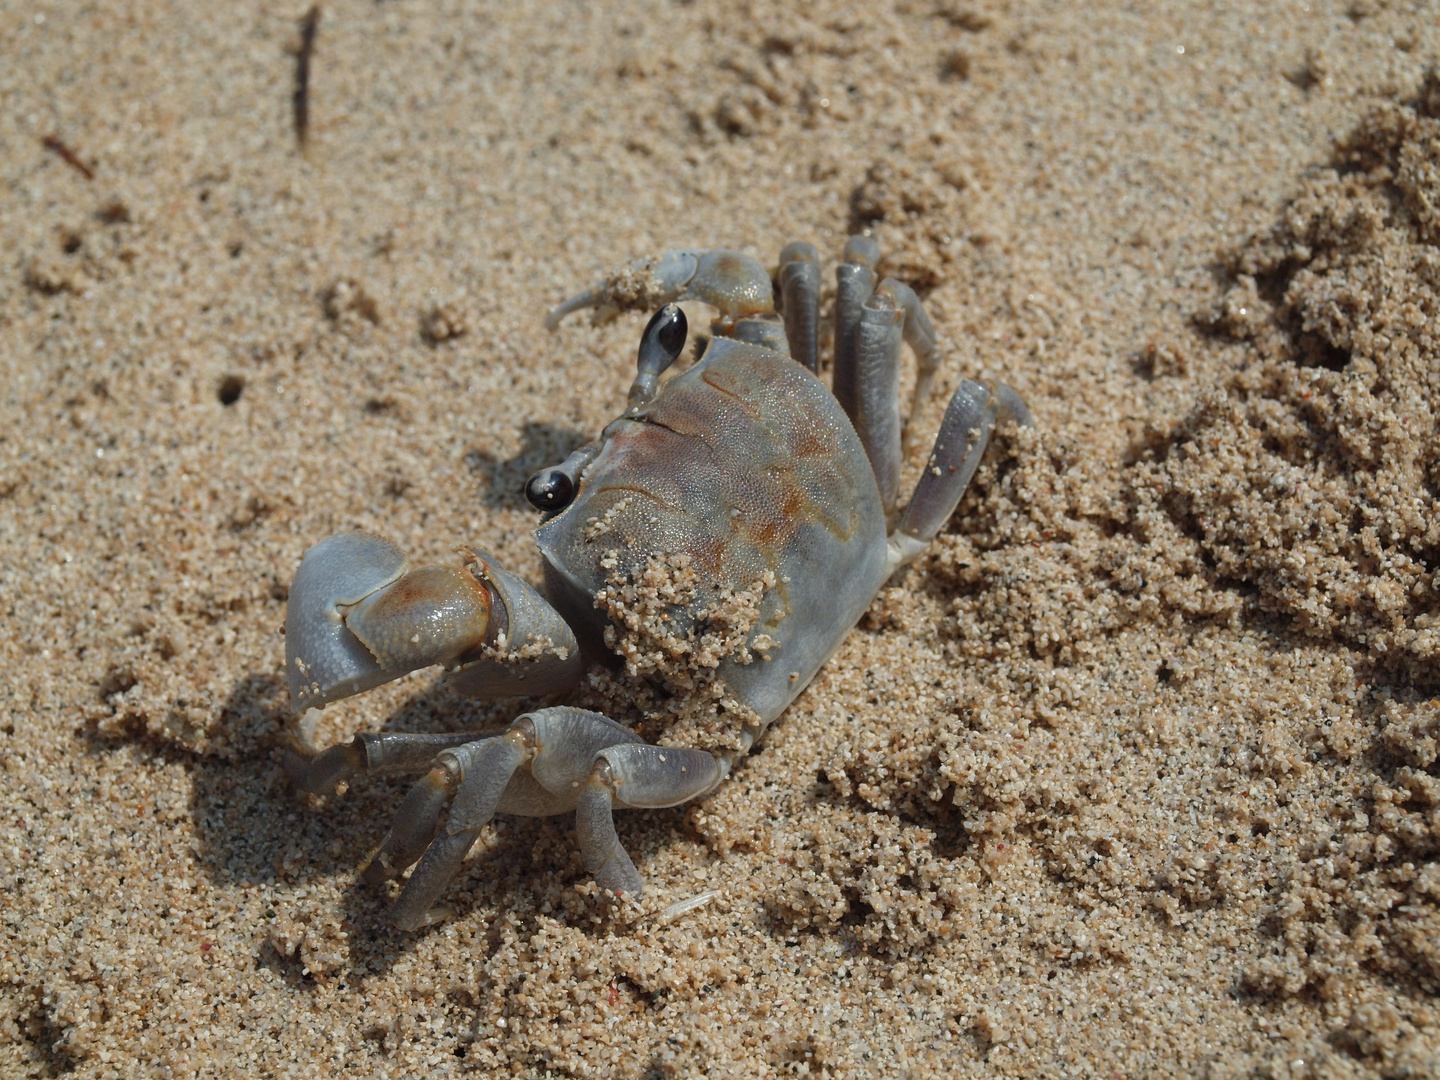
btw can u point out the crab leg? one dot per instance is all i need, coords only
(538, 767)
(870, 323)
(478, 775)
(635, 775)
(645, 283)
(877, 391)
(321, 655)
(970, 419)
(869, 327)
(359, 616)
(920, 336)
(799, 276)
(854, 283)
(368, 754)
(735, 284)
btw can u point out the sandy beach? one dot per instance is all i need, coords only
(1135, 774)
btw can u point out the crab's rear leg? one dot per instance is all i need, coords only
(871, 322)
(970, 419)
(868, 333)
(799, 277)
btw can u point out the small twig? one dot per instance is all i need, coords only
(53, 143)
(308, 29)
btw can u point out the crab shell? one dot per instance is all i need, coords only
(746, 463)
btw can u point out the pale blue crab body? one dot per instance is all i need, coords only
(744, 473)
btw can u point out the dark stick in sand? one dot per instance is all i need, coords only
(53, 143)
(308, 29)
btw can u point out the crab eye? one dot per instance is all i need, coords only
(550, 490)
(663, 339)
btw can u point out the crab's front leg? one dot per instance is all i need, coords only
(639, 776)
(546, 762)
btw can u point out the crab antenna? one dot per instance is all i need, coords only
(660, 346)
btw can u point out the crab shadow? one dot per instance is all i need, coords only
(541, 444)
(261, 841)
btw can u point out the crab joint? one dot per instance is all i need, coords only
(606, 860)
(416, 824)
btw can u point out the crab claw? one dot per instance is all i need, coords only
(359, 616)
(735, 284)
(532, 650)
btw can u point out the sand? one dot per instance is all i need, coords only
(1135, 774)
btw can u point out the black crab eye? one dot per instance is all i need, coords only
(549, 490)
(664, 339)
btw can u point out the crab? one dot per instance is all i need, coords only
(745, 469)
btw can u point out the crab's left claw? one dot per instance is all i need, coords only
(359, 616)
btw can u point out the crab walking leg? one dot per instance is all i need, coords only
(854, 284)
(416, 823)
(799, 276)
(368, 754)
(970, 419)
(869, 331)
(537, 768)
(1012, 406)
(635, 775)
(479, 774)
(465, 773)
(877, 391)
(660, 279)
(920, 336)
(608, 862)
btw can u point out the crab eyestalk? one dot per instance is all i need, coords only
(359, 616)
(660, 346)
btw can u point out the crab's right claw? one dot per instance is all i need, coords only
(644, 285)
(733, 283)
(359, 616)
